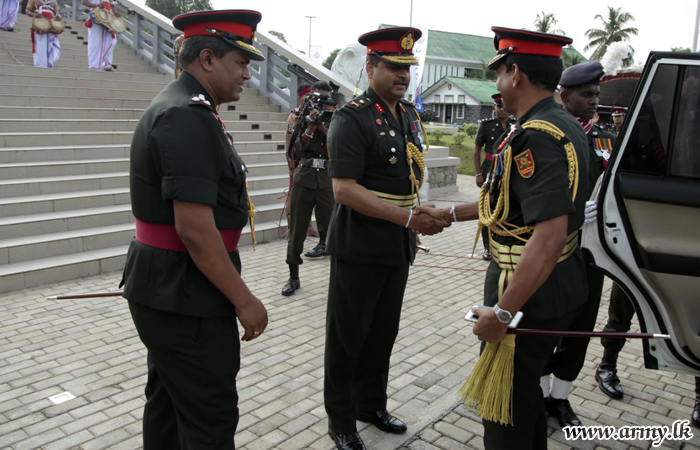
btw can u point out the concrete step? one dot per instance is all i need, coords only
(76, 65)
(48, 245)
(63, 201)
(62, 168)
(78, 57)
(61, 221)
(115, 124)
(46, 169)
(122, 76)
(28, 112)
(62, 153)
(48, 185)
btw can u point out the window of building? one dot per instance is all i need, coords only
(461, 99)
(436, 98)
(449, 99)
(459, 111)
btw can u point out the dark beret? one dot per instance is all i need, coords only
(588, 72)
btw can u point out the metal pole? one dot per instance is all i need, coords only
(695, 31)
(313, 17)
(410, 20)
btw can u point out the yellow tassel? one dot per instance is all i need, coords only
(489, 387)
(251, 215)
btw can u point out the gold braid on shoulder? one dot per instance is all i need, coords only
(495, 220)
(414, 153)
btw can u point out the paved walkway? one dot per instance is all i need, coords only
(89, 348)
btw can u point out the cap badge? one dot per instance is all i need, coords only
(393, 160)
(407, 41)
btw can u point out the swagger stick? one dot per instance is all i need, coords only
(586, 334)
(88, 295)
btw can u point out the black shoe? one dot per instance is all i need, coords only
(695, 418)
(292, 285)
(487, 255)
(561, 409)
(608, 382)
(318, 251)
(384, 421)
(351, 441)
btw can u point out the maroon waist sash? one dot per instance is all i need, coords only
(165, 237)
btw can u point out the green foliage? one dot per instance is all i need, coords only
(470, 129)
(681, 49)
(459, 137)
(464, 150)
(545, 22)
(571, 58)
(279, 36)
(437, 135)
(328, 62)
(483, 73)
(614, 30)
(171, 8)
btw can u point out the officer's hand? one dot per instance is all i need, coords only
(427, 224)
(429, 208)
(253, 317)
(479, 180)
(591, 212)
(488, 328)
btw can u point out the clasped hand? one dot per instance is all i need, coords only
(428, 220)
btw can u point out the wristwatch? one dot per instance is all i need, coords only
(502, 315)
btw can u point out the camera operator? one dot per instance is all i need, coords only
(312, 185)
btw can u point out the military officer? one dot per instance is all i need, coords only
(312, 186)
(618, 118)
(579, 89)
(489, 131)
(182, 274)
(375, 144)
(533, 203)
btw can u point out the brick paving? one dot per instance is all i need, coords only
(89, 348)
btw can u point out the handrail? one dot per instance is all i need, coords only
(151, 35)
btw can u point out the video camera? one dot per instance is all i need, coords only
(317, 101)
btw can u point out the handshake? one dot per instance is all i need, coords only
(428, 220)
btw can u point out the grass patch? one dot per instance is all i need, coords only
(463, 150)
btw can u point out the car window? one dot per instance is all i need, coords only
(685, 159)
(649, 137)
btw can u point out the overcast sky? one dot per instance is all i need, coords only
(661, 25)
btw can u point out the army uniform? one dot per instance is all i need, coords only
(181, 151)
(539, 190)
(369, 257)
(490, 130)
(312, 188)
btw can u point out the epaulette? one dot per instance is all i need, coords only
(358, 103)
(199, 99)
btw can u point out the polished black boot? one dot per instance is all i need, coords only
(606, 375)
(561, 409)
(351, 441)
(695, 418)
(384, 421)
(318, 251)
(293, 283)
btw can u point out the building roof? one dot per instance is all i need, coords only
(469, 47)
(480, 90)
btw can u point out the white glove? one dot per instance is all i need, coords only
(591, 212)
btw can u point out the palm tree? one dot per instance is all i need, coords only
(544, 23)
(613, 31)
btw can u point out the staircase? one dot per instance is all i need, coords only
(65, 134)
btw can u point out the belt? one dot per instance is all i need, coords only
(164, 236)
(316, 163)
(488, 156)
(404, 201)
(507, 257)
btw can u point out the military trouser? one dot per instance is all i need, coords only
(620, 314)
(568, 359)
(362, 322)
(303, 201)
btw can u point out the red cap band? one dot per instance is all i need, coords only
(200, 29)
(392, 46)
(531, 47)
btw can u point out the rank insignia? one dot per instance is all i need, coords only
(354, 104)
(362, 102)
(200, 99)
(378, 121)
(392, 133)
(393, 160)
(525, 163)
(379, 108)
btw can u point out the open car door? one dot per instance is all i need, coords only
(647, 235)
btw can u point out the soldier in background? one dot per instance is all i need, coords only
(489, 131)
